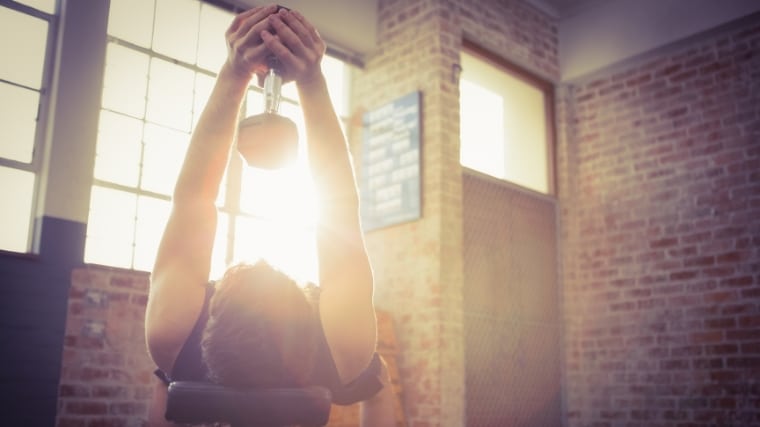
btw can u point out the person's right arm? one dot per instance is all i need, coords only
(183, 261)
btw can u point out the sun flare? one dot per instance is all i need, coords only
(281, 226)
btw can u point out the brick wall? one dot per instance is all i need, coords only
(106, 374)
(418, 265)
(659, 167)
(418, 274)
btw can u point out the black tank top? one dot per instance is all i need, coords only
(189, 365)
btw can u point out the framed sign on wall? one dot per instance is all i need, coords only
(390, 182)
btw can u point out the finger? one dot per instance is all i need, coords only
(312, 31)
(287, 36)
(308, 34)
(255, 56)
(300, 28)
(253, 36)
(279, 50)
(253, 19)
(240, 18)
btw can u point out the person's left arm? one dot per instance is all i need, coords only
(345, 273)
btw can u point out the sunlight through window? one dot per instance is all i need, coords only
(19, 114)
(482, 129)
(23, 97)
(504, 123)
(155, 88)
(18, 187)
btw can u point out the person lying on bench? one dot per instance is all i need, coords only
(255, 327)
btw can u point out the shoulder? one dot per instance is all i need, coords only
(170, 318)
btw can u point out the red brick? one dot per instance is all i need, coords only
(127, 408)
(752, 321)
(743, 362)
(73, 390)
(70, 422)
(729, 348)
(738, 281)
(720, 323)
(706, 337)
(85, 408)
(108, 422)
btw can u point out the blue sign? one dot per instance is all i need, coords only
(390, 182)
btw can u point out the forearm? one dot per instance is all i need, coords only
(210, 144)
(329, 157)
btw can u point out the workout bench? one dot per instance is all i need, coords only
(198, 403)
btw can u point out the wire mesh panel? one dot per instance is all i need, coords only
(512, 343)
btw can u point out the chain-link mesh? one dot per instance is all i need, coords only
(511, 302)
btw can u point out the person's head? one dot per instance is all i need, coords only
(261, 330)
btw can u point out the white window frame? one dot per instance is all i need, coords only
(494, 64)
(35, 165)
(229, 204)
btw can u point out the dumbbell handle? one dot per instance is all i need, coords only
(272, 91)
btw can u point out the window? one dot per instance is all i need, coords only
(505, 126)
(47, 6)
(24, 39)
(160, 67)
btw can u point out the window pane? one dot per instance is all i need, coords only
(164, 153)
(132, 20)
(43, 5)
(503, 124)
(289, 91)
(125, 81)
(482, 129)
(212, 48)
(18, 122)
(118, 149)
(526, 142)
(176, 29)
(152, 215)
(16, 192)
(110, 227)
(170, 95)
(254, 103)
(22, 46)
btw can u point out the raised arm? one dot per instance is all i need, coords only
(183, 261)
(344, 270)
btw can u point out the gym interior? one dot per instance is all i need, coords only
(563, 220)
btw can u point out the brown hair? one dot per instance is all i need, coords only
(261, 330)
